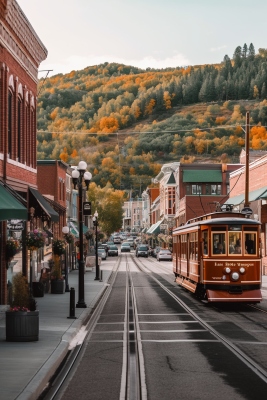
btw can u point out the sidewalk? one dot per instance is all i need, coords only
(26, 367)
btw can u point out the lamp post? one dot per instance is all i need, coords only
(32, 211)
(65, 230)
(78, 175)
(95, 222)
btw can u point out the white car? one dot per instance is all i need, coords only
(164, 255)
(117, 240)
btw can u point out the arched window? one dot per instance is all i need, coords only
(9, 123)
(19, 129)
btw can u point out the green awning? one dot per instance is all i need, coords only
(154, 228)
(75, 229)
(258, 194)
(202, 176)
(45, 205)
(10, 208)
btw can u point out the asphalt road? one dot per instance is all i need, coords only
(181, 358)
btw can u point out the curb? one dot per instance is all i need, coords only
(37, 384)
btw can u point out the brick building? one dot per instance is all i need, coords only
(52, 184)
(21, 52)
(199, 188)
(257, 196)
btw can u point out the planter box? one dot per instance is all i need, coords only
(57, 286)
(22, 326)
(38, 289)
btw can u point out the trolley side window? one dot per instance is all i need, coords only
(183, 246)
(205, 243)
(235, 243)
(218, 243)
(250, 243)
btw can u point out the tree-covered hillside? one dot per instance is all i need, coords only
(181, 113)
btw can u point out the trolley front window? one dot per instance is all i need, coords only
(250, 243)
(235, 243)
(218, 243)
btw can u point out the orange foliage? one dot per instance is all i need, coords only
(74, 154)
(95, 171)
(187, 71)
(64, 157)
(167, 100)
(137, 112)
(108, 162)
(220, 120)
(132, 171)
(53, 114)
(149, 107)
(258, 134)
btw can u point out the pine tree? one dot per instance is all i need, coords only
(237, 57)
(251, 52)
(245, 51)
(263, 91)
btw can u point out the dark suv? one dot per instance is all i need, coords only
(142, 251)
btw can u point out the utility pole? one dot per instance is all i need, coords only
(247, 162)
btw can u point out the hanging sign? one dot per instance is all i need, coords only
(15, 225)
(87, 208)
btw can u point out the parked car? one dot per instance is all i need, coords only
(102, 253)
(155, 251)
(131, 242)
(113, 251)
(125, 248)
(142, 251)
(164, 255)
(110, 244)
(105, 246)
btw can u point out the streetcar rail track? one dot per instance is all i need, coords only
(256, 368)
(62, 376)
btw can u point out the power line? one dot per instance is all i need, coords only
(138, 132)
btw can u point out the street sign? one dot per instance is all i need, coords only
(87, 208)
(15, 225)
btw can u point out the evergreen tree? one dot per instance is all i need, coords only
(251, 52)
(237, 57)
(263, 91)
(245, 51)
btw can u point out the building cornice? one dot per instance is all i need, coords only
(19, 38)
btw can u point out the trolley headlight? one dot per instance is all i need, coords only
(227, 270)
(235, 276)
(242, 270)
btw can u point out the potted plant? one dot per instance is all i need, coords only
(57, 281)
(12, 247)
(69, 238)
(35, 239)
(22, 319)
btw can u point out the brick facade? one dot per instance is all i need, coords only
(21, 52)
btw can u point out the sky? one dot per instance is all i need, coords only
(144, 33)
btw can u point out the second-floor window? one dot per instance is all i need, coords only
(196, 189)
(9, 123)
(19, 130)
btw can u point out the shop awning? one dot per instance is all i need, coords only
(48, 210)
(202, 175)
(74, 229)
(258, 194)
(154, 228)
(10, 208)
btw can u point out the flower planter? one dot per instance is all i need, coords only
(38, 289)
(57, 286)
(22, 326)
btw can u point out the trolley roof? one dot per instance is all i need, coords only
(219, 221)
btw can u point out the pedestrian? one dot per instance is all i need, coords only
(78, 259)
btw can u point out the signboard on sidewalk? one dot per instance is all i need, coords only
(87, 208)
(15, 225)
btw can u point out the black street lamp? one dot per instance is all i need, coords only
(95, 222)
(77, 177)
(65, 230)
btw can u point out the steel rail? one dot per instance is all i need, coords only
(256, 368)
(53, 393)
(132, 384)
